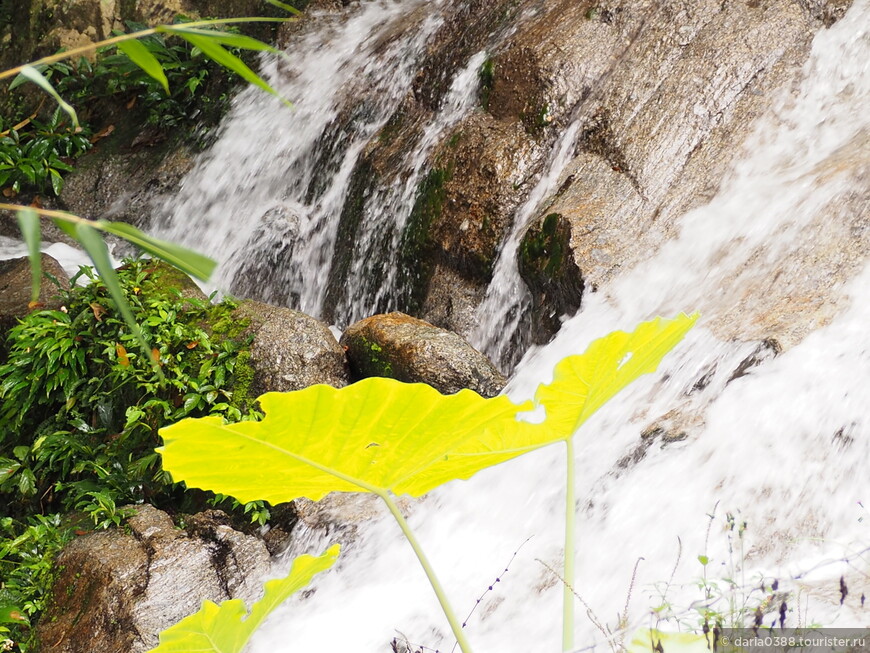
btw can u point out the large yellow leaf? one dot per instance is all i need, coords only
(377, 435)
(382, 435)
(581, 385)
(227, 627)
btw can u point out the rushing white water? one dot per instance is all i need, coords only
(783, 447)
(69, 258)
(507, 296)
(388, 209)
(278, 177)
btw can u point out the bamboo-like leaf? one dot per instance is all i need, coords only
(186, 260)
(28, 222)
(377, 435)
(223, 38)
(228, 627)
(69, 228)
(285, 7)
(142, 57)
(92, 242)
(36, 77)
(210, 46)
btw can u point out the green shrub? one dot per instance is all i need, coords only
(197, 85)
(36, 155)
(81, 405)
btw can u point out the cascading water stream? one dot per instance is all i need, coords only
(783, 447)
(507, 298)
(266, 197)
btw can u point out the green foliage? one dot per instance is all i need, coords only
(36, 156)
(387, 437)
(165, 79)
(486, 75)
(27, 551)
(81, 409)
(228, 627)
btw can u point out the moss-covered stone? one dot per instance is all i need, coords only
(547, 266)
(397, 346)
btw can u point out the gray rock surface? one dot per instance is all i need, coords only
(116, 591)
(397, 346)
(291, 350)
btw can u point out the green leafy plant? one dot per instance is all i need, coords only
(27, 551)
(389, 438)
(39, 154)
(81, 409)
(206, 37)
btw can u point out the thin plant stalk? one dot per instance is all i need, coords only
(455, 626)
(568, 573)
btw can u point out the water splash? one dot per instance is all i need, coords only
(390, 205)
(507, 298)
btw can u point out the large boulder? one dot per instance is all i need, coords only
(290, 350)
(116, 591)
(16, 285)
(400, 347)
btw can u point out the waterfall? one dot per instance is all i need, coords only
(265, 199)
(782, 446)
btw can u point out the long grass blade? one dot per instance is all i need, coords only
(28, 222)
(186, 260)
(211, 48)
(92, 242)
(285, 7)
(224, 38)
(142, 57)
(36, 77)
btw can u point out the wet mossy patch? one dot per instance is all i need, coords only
(547, 265)
(416, 260)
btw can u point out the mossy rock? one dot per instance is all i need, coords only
(546, 263)
(401, 347)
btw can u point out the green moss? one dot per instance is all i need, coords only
(542, 248)
(416, 255)
(392, 128)
(375, 363)
(243, 381)
(486, 75)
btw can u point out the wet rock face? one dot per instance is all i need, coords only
(551, 273)
(663, 97)
(15, 289)
(116, 591)
(401, 347)
(290, 350)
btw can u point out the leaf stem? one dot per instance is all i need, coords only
(568, 573)
(430, 572)
(48, 213)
